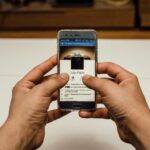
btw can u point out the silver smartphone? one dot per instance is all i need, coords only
(77, 56)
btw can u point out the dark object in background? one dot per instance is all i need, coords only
(23, 2)
(17, 2)
(144, 13)
(77, 63)
(38, 16)
(72, 2)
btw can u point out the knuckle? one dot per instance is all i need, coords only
(39, 68)
(60, 79)
(89, 81)
(57, 80)
(110, 63)
(124, 138)
(134, 77)
(16, 88)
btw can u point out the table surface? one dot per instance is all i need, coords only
(104, 34)
(18, 56)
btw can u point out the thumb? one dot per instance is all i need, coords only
(53, 84)
(104, 86)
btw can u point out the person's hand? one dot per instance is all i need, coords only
(28, 115)
(124, 103)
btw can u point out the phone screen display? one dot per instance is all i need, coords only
(77, 58)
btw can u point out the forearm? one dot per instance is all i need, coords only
(13, 137)
(140, 137)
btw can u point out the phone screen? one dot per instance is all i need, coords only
(77, 58)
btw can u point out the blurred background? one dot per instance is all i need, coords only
(43, 18)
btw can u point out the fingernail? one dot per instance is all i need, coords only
(64, 76)
(86, 76)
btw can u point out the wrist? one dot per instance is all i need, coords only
(139, 129)
(14, 137)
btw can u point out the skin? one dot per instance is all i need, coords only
(31, 97)
(124, 103)
(28, 114)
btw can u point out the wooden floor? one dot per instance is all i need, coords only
(112, 34)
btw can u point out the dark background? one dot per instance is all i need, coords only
(44, 19)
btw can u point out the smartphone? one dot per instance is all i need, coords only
(77, 56)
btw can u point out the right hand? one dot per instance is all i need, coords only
(124, 101)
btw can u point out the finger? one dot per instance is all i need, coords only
(111, 79)
(50, 86)
(104, 86)
(54, 96)
(98, 98)
(114, 70)
(55, 114)
(99, 113)
(37, 73)
(48, 77)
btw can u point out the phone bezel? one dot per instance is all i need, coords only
(75, 34)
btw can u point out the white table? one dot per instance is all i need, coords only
(18, 56)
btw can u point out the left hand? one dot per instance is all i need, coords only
(28, 114)
(124, 103)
